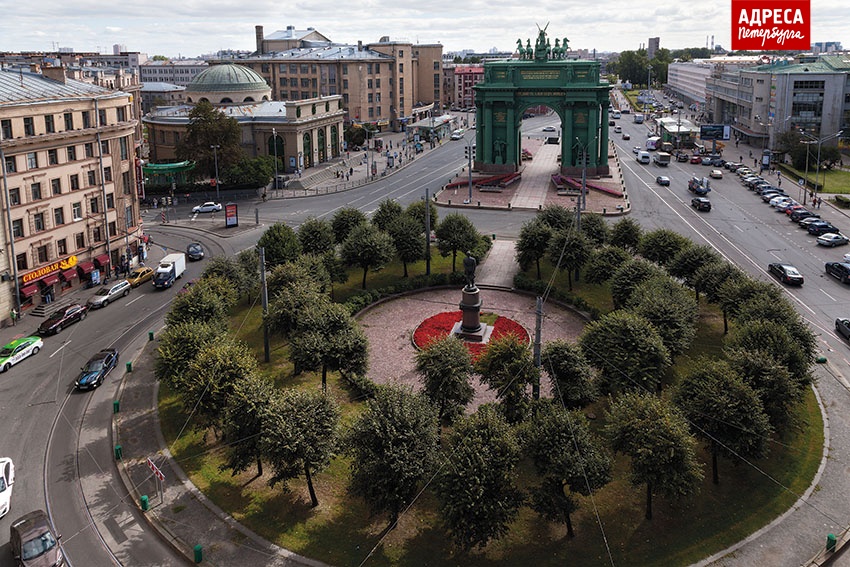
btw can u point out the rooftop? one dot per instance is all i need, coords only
(227, 78)
(326, 51)
(22, 86)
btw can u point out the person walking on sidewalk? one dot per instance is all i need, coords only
(14, 315)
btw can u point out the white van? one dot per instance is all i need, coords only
(643, 157)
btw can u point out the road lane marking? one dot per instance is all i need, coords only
(55, 352)
(826, 294)
(134, 300)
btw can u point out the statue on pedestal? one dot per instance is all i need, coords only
(469, 264)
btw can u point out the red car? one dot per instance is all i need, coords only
(696, 159)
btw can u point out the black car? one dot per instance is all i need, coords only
(61, 318)
(92, 374)
(762, 189)
(801, 214)
(768, 195)
(842, 327)
(195, 251)
(839, 270)
(701, 204)
(786, 273)
(822, 227)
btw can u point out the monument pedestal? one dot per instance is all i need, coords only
(469, 328)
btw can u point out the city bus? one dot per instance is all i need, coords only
(638, 118)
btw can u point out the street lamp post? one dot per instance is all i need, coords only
(469, 151)
(819, 141)
(215, 149)
(274, 141)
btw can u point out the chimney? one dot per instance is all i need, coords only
(55, 73)
(35, 68)
(359, 45)
(258, 32)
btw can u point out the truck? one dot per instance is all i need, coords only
(652, 142)
(662, 159)
(170, 268)
(642, 157)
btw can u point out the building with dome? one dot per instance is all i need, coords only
(302, 133)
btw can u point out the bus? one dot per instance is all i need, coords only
(638, 118)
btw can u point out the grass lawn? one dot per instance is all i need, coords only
(341, 530)
(832, 180)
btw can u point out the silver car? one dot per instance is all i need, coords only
(107, 293)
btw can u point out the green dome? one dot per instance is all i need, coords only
(227, 78)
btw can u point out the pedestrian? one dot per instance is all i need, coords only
(736, 143)
(14, 315)
(820, 200)
(779, 181)
(350, 171)
(751, 153)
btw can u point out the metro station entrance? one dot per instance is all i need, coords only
(542, 76)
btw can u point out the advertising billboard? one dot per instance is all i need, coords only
(715, 132)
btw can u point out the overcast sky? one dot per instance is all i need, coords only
(192, 27)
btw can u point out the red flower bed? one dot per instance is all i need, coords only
(440, 325)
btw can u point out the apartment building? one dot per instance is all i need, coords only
(174, 71)
(69, 185)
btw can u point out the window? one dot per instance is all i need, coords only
(378, 83)
(36, 191)
(52, 157)
(69, 121)
(124, 147)
(49, 126)
(282, 68)
(94, 205)
(58, 216)
(80, 240)
(129, 219)
(61, 246)
(345, 69)
(77, 211)
(313, 68)
(104, 147)
(293, 68)
(32, 160)
(125, 182)
(110, 201)
(305, 82)
(313, 83)
(29, 127)
(92, 178)
(371, 98)
(18, 228)
(21, 261)
(86, 119)
(38, 222)
(11, 164)
(56, 186)
(43, 257)
(113, 229)
(14, 196)
(97, 234)
(401, 67)
(371, 112)
(369, 84)
(368, 68)
(377, 68)
(264, 68)
(436, 65)
(72, 153)
(89, 150)
(401, 53)
(345, 84)
(122, 114)
(6, 127)
(107, 174)
(75, 182)
(305, 68)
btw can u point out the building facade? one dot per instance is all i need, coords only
(173, 71)
(69, 185)
(466, 77)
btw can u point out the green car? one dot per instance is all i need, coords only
(18, 350)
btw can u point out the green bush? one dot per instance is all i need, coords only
(842, 201)
(538, 287)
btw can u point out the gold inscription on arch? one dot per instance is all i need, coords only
(500, 116)
(539, 74)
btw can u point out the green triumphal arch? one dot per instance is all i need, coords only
(542, 76)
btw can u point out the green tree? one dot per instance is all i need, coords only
(569, 251)
(445, 366)
(630, 275)
(393, 445)
(736, 291)
(603, 262)
(209, 127)
(212, 376)
(416, 209)
(532, 243)
(301, 437)
(244, 423)
(662, 245)
(595, 229)
(281, 244)
(573, 378)
(557, 217)
(367, 247)
(626, 234)
(209, 300)
(774, 340)
(256, 171)
(687, 262)
(776, 389)
(408, 240)
(179, 345)
(671, 310)
(627, 350)
(327, 338)
(249, 262)
(569, 459)
(456, 233)
(290, 300)
(345, 221)
(316, 236)
(724, 411)
(713, 275)
(230, 270)
(477, 487)
(388, 212)
(507, 367)
(655, 436)
(782, 313)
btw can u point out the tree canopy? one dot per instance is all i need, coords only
(210, 128)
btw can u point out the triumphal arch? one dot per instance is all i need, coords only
(542, 75)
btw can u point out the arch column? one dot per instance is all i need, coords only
(567, 136)
(593, 133)
(603, 146)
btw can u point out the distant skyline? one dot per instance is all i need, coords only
(191, 28)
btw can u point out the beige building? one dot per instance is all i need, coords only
(69, 185)
(308, 131)
(387, 84)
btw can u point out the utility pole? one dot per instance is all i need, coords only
(265, 292)
(538, 327)
(470, 149)
(427, 232)
(274, 141)
(215, 149)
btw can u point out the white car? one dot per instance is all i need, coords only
(208, 207)
(636, 150)
(716, 174)
(7, 479)
(779, 199)
(549, 129)
(832, 239)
